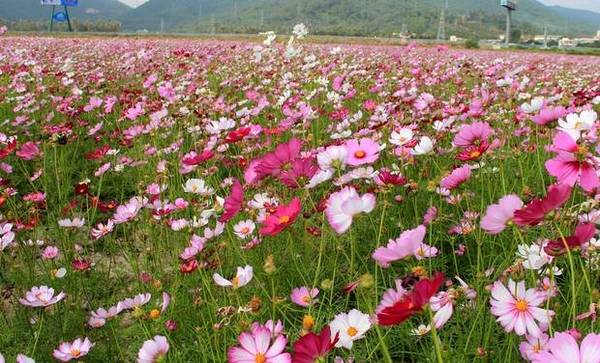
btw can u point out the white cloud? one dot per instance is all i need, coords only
(134, 3)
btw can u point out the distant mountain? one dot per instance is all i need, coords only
(87, 10)
(468, 18)
(576, 15)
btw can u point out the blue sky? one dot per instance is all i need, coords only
(579, 4)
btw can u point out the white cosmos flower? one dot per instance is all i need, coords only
(320, 177)
(197, 186)
(425, 146)
(534, 106)
(332, 157)
(534, 257)
(71, 223)
(402, 137)
(575, 124)
(351, 326)
(242, 278)
(421, 330)
(300, 31)
(244, 229)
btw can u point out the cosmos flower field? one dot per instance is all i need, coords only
(178, 200)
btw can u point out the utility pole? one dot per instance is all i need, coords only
(441, 35)
(262, 19)
(510, 7)
(235, 9)
(213, 24)
(545, 36)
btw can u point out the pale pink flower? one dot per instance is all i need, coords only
(497, 216)
(154, 350)
(342, 206)
(563, 348)
(360, 152)
(530, 347)
(50, 253)
(136, 302)
(41, 296)
(257, 347)
(410, 243)
(244, 229)
(517, 309)
(76, 349)
(242, 278)
(303, 296)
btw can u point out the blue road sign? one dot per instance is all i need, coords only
(60, 16)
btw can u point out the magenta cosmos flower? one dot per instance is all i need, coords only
(342, 206)
(472, 135)
(497, 216)
(233, 203)
(257, 347)
(303, 296)
(563, 348)
(517, 309)
(41, 296)
(283, 217)
(280, 159)
(572, 164)
(360, 152)
(72, 350)
(153, 350)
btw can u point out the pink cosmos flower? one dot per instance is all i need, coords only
(50, 253)
(41, 296)
(517, 309)
(28, 151)
(233, 203)
(548, 114)
(242, 278)
(572, 164)
(303, 296)
(342, 206)
(360, 152)
(300, 172)
(497, 216)
(563, 348)
(472, 134)
(533, 345)
(283, 217)
(280, 159)
(410, 243)
(72, 350)
(257, 347)
(456, 178)
(153, 350)
(443, 305)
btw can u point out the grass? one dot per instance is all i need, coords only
(209, 317)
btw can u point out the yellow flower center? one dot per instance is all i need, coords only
(236, 282)
(307, 299)
(475, 154)
(284, 219)
(308, 322)
(75, 352)
(352, 331)
(360, 154)
(155, 313)
(260, 358)
(521, 305)
(245, 230)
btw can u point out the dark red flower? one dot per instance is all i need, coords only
(193, 158)
(97, 154)
(188, 266)
(280, 159)
(311, 347)
(301, 172)
(583, 233)
(412, 303)
(535, 212)
(237, 135)
(80, 264)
